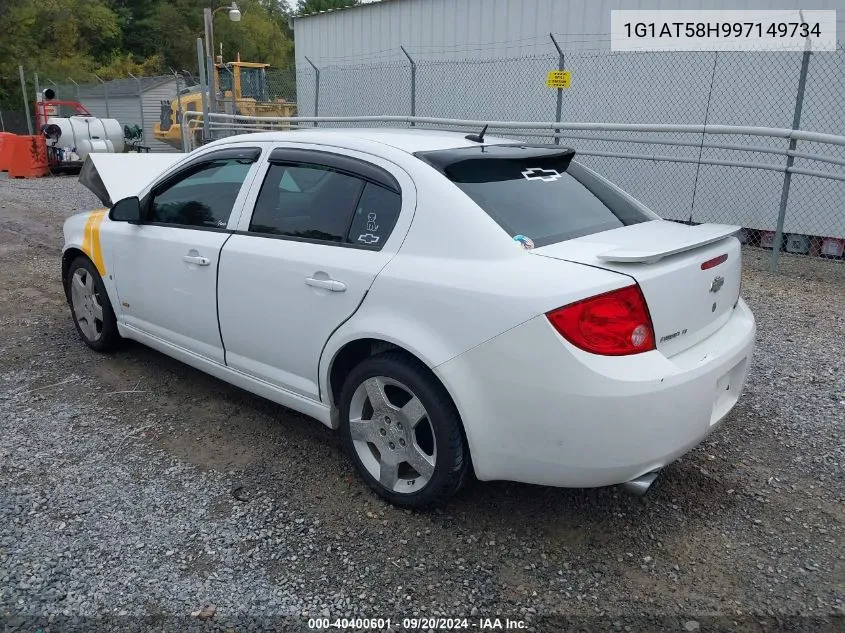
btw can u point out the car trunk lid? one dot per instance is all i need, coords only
(689, 275)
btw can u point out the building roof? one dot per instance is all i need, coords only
(363, 3)
(126, 87)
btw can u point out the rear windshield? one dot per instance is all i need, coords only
(536, 191)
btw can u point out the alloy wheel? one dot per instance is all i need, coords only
(87, 309)
(392, 434)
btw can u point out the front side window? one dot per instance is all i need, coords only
(203, 196)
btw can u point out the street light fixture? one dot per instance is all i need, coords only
(208, 18)
(208, 15)
(234, 13)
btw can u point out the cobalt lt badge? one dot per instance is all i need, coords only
(716, 284)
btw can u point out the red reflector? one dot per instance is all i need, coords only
(615, 323)
(712, 263)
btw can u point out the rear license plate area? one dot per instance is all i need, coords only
(727, 391)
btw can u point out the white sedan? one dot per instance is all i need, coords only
(449, 303)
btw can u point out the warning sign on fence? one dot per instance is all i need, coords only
(559, 79)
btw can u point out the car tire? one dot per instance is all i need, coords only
(90, 306)
(368, 432)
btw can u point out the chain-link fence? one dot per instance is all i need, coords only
(682, 176)
(150, 109)
(786, 194)
(137, 103)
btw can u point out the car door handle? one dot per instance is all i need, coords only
(326, 284)
(196, 259)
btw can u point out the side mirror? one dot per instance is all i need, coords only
(126, 210)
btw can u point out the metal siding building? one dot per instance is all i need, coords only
(479, 29)
(152, 113)
(487, 59)
(125, 106)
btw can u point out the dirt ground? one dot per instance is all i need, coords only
(744, 533)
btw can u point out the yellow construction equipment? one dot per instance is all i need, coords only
(240, 88)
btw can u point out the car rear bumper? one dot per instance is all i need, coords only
(538, 410)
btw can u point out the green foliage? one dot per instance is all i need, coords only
(255, 37)
(304, 7)
(122, 64)
(79, 38)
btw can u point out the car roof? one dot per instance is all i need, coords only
(407, 140)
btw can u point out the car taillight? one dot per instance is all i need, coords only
(615, 323)
(712, 263)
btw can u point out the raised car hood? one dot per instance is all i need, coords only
(112, 177)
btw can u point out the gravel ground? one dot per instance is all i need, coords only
(135, 491)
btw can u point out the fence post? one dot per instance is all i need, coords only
(78, 96)
(141, 108)
(25, 100)
(206, 128)
(105, 95)
(560, 66)
(316, 90)
(790, 159)
(208, 22)
(413, 84)
(180, 118)
(38, 110)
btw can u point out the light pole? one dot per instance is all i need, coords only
(208, 19)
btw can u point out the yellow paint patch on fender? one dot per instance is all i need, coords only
(91, 239)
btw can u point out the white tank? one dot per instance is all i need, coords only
(88, 135)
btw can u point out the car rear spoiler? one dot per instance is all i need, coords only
(112, 177)
(693, 237)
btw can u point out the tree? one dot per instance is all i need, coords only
(76, 38)
(258, 37)
(121, 64)
(304, 7)
(55, 38)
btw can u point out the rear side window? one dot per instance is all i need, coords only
(321, 203)
(306, 201)
(536, 191)
(375, 215)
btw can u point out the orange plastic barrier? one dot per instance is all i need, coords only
(29, 159)
(7, 148)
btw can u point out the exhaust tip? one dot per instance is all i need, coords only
(639, 486)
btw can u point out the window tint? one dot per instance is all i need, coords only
(204, 197)
(375, 216)
(536, 191)
(306, 201)
(296, 179)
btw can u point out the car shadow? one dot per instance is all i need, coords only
(286, 455)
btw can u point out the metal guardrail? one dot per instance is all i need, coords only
(225, 125)
(798, 135)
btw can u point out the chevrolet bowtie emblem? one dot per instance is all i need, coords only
(368, 238)
(538, 173)
(716, 284)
